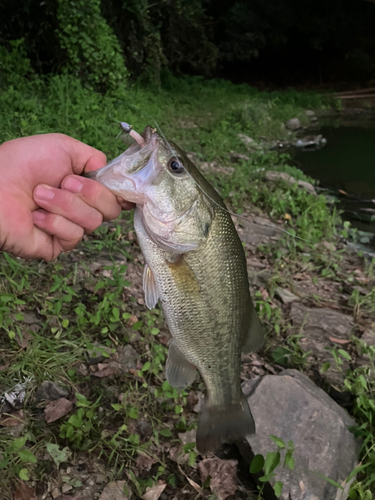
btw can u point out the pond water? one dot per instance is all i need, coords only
(346, 164)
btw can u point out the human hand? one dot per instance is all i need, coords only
(45, 208)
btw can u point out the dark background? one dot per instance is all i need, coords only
(261, 42)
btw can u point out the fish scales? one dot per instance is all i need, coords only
(205, 300)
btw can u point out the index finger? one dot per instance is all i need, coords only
(94, 194)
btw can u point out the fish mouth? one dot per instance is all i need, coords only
(125, 174)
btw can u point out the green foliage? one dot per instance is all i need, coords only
(16, 459)
(14, 64)
(92, 49)
(58, 455)
(271, 462)
(80, 429)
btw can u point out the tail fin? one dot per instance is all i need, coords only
(224, 424)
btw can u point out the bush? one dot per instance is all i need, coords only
(93, 50)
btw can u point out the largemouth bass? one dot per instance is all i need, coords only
(196, 267)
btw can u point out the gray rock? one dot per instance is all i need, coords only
(30, 318)
(238, 156)
(307, 186)
(144, 428)
(292, 407)
(250, 144)
(277, 176)
(49, 391)
(293, 124)
(127, 358)
(258, 232)
(310, 143)
(364, 358)
(318, 326)
(309, 113)
(369, 337)
(98, 353)
(286, 296)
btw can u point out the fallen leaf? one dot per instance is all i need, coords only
(154, 492)
(188, 437)
(223, 476)
(145, 462)
(195, 485)
(107, 369)
(177, 454)
(191, 401)
(338, 341)
(192, 483)
(115, 491)
(287, 217)
(58, 455)
(12, 420)
(132, 320)
(57, 409)
(4, 367)
(22, 339)
(24, 492)
(164, 338)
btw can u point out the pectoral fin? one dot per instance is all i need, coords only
(254, 337)
(149, 287)
(179, 371)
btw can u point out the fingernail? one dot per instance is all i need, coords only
(72, 184)
(38, 216)
(44, 192)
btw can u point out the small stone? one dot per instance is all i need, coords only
(369, 337)
(309, 113)
(127, 358)
(286, 296)
(55, 493)
(293, 124)
(66, 487)
(99, 479)
(30, 318)
(98, 354)
(90, 482)
(307, 186)
(188, 437)
(49, 391)
(277, 176)
(250, 144)
(238, 156)
(144, 428)
(329, 246)
(82, 370)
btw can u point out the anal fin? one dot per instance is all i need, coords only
(149, 287)
(254, 338)
(179, 371)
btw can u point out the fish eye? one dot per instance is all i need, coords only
(175, 166)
